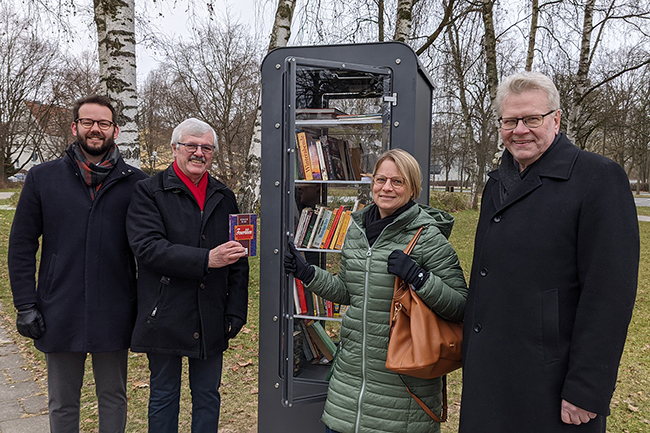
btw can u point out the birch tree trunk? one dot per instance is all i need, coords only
(115, 20)
(280, 34)
(403, 21)
(582, 75)
(532, 35)
(493, 82)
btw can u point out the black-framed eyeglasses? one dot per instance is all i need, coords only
(88, 123)
(534, 121)
(397, 182)
(192, 147)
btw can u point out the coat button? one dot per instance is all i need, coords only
(202, 286)
(196, 335)
(483, 272)
(497, 219)
(478, 327)
(203, 237)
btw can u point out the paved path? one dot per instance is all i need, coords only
(23, 404)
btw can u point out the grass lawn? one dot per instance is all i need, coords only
(630, 404)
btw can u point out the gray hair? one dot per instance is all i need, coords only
(193, 127)
(526, 81)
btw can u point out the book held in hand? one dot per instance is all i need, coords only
(243, 229)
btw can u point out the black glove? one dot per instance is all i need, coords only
(295, 263)
(30, 322)
(233, 326)
(402, 265)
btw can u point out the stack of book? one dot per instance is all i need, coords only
(317, 345)
(326, 158)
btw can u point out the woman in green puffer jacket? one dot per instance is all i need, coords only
(363, 395)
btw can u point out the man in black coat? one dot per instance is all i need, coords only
(192, 281)
(553, 279)
(85, 301)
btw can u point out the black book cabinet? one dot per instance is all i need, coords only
(360, 99)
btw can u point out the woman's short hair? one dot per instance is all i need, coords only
(526, 81)
(407, 166)
(193, 127)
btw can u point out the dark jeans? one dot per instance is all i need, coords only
(329, 430)
(164, 399)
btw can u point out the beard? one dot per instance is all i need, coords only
(96, 151)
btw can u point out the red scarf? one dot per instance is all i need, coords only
(197, 191)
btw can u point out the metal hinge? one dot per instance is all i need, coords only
(391, 99)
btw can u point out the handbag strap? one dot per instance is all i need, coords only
(443, 415)
(411, 244)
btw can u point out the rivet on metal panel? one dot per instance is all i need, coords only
(277, 126)
(398, 61)
(277, 183)
(275, 318)
(396, 124)
(278, 66)
(276, 251)
(277, 385)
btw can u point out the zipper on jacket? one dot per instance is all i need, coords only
(365, 312)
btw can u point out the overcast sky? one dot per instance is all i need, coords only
(171, 21)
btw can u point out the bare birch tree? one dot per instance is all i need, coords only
(280, 34)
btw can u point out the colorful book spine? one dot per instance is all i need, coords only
(318, 239)
(313, 157)
(321, 160)
(345, 225)
(304, 155)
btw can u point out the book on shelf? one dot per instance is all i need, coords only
(309, 228)
(372, 116)
(358, 205)
(313, 157)
(301, 303)
(303, 150)
(310, 350)
(323, 341)
(321, 160)
(243, 229)
(335, 221)
(317, 224)
(343, 151)
(309, 300)
(333, 156)
(355, 162)
(300, 227)
(337, 232)
(321, 227)
(330, 307)
(345, 225)
(318, 113)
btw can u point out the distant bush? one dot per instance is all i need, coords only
(643, 186)
(450, 201)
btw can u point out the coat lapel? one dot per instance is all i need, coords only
(558, 164)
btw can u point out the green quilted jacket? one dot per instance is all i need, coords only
(363, 395)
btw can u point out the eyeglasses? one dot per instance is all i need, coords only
(534, 121)
(88, 123)
(191, 147)
(397, 182)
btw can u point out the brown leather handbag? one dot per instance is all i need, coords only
(422, 344)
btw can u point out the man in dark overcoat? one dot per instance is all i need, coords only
(86, 294)
(553, 279)
(192, 281)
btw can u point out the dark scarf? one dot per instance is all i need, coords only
(509, 175)
(95, 174)
(375, 224)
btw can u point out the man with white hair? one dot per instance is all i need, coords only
(553, 279)
(192, 281)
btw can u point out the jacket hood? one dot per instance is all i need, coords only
(441, 219)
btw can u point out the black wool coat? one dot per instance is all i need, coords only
(86, 279)
(551, 294)
(181, 305)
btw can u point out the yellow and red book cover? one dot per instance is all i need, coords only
(243, 229)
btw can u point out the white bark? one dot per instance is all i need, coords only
(252, 177)
(115, 20)
(404, 20)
